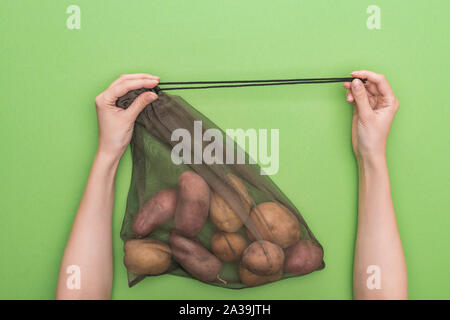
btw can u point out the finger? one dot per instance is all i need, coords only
(361, 99)
(134, 76)
(350, 96)
(123, 87)
(372, 88)
(382, 85)
(140, 103)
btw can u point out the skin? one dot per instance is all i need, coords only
(378, 240)
(90, 241)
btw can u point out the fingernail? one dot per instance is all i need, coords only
(150, 96)
(357, 84)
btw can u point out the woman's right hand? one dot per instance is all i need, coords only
(375, 106)
(115, 125)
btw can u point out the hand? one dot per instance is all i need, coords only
(374, 109)
(115, 125)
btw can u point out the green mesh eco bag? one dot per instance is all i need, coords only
(153, 170)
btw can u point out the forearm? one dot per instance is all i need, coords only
(90, 242)
(378, 241)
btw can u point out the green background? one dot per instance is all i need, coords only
(49, 76)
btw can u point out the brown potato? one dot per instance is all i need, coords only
(194, 258)
(263, 258)
(303, 257)
(221, 214)
(192, 205)
(146, 256)
(275, 223)
(252, 280)
(228, 246)
(159, 209)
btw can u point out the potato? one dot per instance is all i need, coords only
(194, 258)
(228, 246)
(275, 223)
(263, 258)
(222, 215)
(192, 205)
(146, 256)
(159, 209)
(303, 257)
(252, 280)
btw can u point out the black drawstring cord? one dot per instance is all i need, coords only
(257, 81)
(252, 83)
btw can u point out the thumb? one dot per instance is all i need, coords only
(361, 99)
(143, 100)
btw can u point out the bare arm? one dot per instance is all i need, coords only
(86, 270)
(379, 267)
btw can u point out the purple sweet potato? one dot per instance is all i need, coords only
(193, 204)
(156, 211)
(303, 257)
(194, 258)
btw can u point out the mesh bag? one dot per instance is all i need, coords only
(223, 224)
